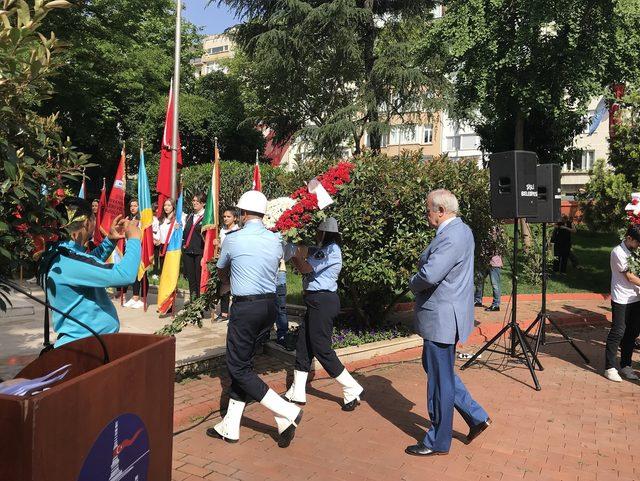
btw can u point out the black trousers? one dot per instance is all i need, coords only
(192, 270)
(625, 328)
(314, 333)
(560, 263)
(249, 322)
(158, 261)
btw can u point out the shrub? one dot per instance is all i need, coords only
(29, 143)
(606, 194)
(382, 217)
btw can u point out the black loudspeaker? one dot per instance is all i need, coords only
(514, 191)
(549, 197)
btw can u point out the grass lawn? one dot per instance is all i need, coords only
(592, 250)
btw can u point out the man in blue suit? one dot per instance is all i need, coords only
(443, 287)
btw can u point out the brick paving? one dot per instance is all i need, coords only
(580, 427)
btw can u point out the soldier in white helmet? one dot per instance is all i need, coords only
(321, 266)
(249, 262)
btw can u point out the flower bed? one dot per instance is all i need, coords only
(348, 337)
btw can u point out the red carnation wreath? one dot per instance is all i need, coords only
(295, 219)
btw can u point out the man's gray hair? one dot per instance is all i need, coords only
(445, 199)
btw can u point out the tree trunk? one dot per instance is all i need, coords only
(518, 144)
(368, 53)
(362, 320)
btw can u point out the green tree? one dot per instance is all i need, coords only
(328, 71)
(119, 65)
(211, 106)
(34, 156)
(523, 71)
(605, 197)
(624, 145)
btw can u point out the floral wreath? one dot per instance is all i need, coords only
(302, 212)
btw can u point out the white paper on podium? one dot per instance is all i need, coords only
(315, 187)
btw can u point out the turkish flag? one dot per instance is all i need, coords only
(163, 184)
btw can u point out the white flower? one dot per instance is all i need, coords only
(275, 209)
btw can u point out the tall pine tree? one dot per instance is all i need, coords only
(330, 70)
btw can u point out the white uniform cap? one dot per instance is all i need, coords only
(253, 201)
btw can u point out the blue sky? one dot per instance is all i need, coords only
(212, 18)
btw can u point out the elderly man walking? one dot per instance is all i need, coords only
(443, 287)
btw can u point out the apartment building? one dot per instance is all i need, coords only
(215, 48)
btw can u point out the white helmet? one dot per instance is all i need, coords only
(253, 201)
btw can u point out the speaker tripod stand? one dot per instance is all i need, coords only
(543, 316)
(516, 335)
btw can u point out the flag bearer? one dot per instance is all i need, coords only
(321, 268)
(249, 262)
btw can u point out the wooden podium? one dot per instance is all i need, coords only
(102, 422)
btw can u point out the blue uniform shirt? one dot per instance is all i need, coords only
(327, 264)
(76, 285)
(253, 254)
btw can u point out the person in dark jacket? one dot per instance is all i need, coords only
(561, 239)
(193, 245)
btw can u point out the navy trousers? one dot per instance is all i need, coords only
(445, 391)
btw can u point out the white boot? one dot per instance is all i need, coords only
(297, 392)
(229, 427)
(351, 390)
(287, 415)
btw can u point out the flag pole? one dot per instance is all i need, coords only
(176, 94)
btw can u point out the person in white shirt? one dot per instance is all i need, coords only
(161, 232)
(230, 222)
(625, 309)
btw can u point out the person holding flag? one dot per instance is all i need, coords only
(193, 246)
(171, 264)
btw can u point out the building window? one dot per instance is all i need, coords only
(469, 142)
(588, 159)
(453, 142)
(583, 161)
(394, 136)
(427, 137)
(220, 49)
(409, 135)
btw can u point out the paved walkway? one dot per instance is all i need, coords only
(580, 427)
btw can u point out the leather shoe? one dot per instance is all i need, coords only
(476, 430)
(350, 406)
(492, 308)
(478, 304)
(212, 433)
(287, 435)
(421, 450)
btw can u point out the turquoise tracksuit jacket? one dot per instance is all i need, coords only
(77, 283)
